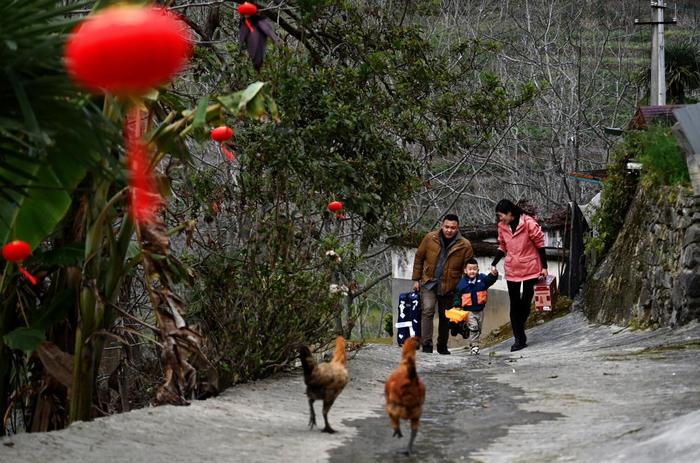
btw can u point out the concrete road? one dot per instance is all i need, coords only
(578, 393)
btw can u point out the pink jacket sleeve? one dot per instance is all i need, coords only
(535, 232)
(501, 241)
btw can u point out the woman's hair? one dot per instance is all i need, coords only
(505, 206)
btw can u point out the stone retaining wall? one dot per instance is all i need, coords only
(651, 276)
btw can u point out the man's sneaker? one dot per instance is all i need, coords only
(428, 348)
(475, 350)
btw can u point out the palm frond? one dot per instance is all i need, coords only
(51, 132)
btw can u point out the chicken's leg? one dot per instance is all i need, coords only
(414, 431)
(396, 425)
(409, 450)
(312, 416)
(326, 408)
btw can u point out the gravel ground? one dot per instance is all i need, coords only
(580, 392)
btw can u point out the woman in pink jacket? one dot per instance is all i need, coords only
(521, 241)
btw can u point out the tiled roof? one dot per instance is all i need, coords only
(646, 115)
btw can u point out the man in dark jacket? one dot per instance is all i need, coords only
(437, 268)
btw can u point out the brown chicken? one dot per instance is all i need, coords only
(405, 393)
(324, 381)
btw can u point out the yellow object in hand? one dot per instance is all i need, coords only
(457, 315)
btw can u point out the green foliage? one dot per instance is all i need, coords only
(682, 71)
(49, 132)
(389, 324)
(563, 304)
(310, 8)
(618, 192)
(24, 339)
(663, 163)
(357, 102)
(255, 311)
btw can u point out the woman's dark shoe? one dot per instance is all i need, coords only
(517, 346)
(443, 350)
(428, 348)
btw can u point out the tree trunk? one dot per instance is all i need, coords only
(90, 309)
(180, 342)
(5, 362)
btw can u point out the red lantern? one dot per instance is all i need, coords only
(127, 50)
(247, 9)
(221, 134)
(335, 206)
(17, 251)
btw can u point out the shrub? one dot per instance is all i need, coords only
(259, 312)
(617, 194)
(663, 163)
(389, 324)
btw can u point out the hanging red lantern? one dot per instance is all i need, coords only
(127, 50)
(221, 134)
(247, 9)
(335, 206)
(17, 251)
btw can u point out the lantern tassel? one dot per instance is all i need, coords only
(230, 155)
(249, 24)
(32, 279)
(143, 192)
(144, 196)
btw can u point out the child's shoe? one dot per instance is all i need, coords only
(475, 350)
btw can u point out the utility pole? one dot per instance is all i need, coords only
(657, 95)
(658, 58)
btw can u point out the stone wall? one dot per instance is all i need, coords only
(651, 276)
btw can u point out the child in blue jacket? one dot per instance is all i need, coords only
(471, 295)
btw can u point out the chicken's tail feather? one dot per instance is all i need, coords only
(339, 356)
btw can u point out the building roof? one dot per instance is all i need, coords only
(647, 115)
(592, 176)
